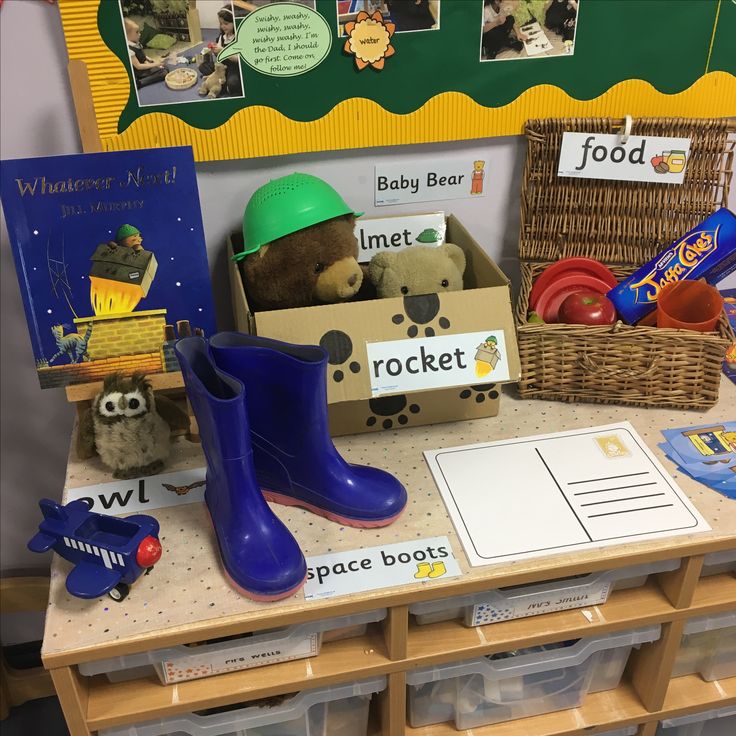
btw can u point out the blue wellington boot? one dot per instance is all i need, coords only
(260, 556)
(296, 462)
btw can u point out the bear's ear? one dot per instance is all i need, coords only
(455, 254)
(379, 263)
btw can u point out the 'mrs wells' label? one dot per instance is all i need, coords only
(707, 251)
(218, 659)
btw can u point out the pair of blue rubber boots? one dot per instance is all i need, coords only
(261, 406)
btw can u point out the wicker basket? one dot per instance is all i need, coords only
(622, 224)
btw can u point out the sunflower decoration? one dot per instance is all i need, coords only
(369, 40)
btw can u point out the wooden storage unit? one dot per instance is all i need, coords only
(186, 600)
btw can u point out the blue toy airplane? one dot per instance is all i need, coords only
(109, 554)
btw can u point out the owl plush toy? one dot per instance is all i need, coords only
(129, 427)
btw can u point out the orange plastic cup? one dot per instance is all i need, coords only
(689, 305)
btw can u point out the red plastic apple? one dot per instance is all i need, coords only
(587, 308)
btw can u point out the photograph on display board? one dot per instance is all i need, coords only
(527, 29)
(406, 15)
(172, 45)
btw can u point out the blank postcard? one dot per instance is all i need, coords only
(562, 492)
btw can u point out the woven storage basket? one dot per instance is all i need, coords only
(623, 224)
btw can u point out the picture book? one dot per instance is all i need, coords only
(110, 254)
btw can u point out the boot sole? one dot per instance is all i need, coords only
(261, 597)
(344, 520)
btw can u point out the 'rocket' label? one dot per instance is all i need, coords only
(401, 366)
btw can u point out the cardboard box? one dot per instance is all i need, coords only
(413, 324)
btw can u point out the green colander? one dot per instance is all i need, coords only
(286, 205)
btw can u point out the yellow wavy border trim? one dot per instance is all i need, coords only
(446, 117)
(262, 131)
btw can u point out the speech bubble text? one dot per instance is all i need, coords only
(281, 40)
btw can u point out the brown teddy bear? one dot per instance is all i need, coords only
(300, 248)
(419, 269)
(213, 83)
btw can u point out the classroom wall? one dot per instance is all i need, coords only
(37, 119)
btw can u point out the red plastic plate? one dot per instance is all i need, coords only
(569, 267)
(548, 303)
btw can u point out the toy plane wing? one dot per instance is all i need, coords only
(41, 542)
(91, 581)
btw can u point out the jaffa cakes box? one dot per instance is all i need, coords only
(708, 251)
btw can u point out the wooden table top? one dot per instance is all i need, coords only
(186, 597)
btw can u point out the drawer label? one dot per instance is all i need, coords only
(238, 657)
(535, 603)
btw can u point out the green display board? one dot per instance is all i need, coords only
(670, 44)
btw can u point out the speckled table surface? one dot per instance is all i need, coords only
(187, 591)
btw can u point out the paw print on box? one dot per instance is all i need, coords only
(421, 310)
(480, 392)
(339, 348)
(391, 407)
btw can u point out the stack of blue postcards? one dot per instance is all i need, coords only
(729, 307)
(706, 453)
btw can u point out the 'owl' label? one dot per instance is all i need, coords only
(143, 494)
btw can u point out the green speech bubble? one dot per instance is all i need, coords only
(281, 40)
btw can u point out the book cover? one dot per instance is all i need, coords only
(110, 254)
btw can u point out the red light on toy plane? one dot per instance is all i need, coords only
(149, 552)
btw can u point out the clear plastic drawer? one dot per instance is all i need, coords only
(341, 710)
(719, 562)
(722, 721)
(708, 647)
(526, 682)
(176, 664)
(520, 601)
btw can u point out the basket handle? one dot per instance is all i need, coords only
(591, 366)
